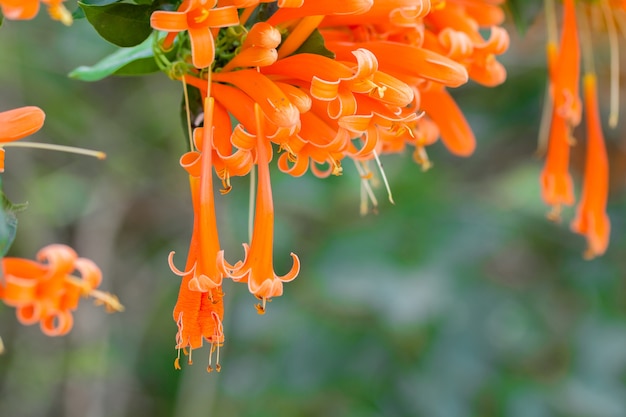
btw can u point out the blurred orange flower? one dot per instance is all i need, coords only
(46, 292)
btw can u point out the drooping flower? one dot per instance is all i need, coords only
(565, 106)
(591, 219)
(46, 292)
(565, 76)
(257, 266)
(199, 310)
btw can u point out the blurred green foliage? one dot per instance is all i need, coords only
(461, 300)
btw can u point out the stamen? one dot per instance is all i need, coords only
(586, 45)
(382, 173)
(251, 206)
(226, 187)
(209, 368)
(551, 25)
(337, 169)
(554, 215)
(110, 301)
(421, 157)
(54, 147)
(189, 361)
(260, 308)
(614, 54)
(366, 190)
(186, 95)
(1, 346)
(544, 124)
(218, 367)
(204, 14)
(177, 361)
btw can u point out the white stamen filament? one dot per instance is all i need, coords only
(366, 190)
(382, 173)
(54, 147)
(614, 54)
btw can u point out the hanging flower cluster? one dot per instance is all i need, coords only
(46, 292)
(310, 84)
(314, 82)
(565, 108)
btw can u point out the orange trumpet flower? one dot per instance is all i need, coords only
(197, 17)
(257, 267)
(591, 219)
(46, 292)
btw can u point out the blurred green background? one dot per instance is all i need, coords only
(460, 300)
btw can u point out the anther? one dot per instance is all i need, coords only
(204, 14)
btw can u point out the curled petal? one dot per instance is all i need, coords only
(176, 271)
(415, 62)
(89, 271)
(60, 259)
(57, 323)
(190, 161)
(293, 272)
(29, 313)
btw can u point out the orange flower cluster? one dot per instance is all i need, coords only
(564, 62)
(321, 80)
(46, 292)
(28, 9)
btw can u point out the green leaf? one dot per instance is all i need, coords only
(314, 44)
(80, 14)
(8, 222)
(122, 24)
(523, 12)
(137, 60)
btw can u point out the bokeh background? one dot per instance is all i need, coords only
(459, 300)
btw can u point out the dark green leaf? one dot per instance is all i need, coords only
(122, 24)
(523, 12)
(80, 14)
(126, 61)
(314, 44)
